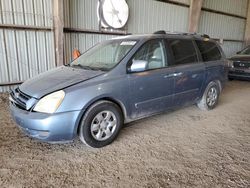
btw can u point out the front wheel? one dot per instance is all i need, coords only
(210, 97)
(101, 124)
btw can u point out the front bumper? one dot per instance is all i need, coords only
(239, 74)
(58, 127)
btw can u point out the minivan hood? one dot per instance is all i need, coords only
(56, 79)
(240, 58)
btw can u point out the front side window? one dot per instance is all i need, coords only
(183, 51)
(153, 53)
(209, 50)
(104, 56)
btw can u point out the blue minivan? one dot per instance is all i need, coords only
(119, 81)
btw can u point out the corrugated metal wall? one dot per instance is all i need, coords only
(221, 26)
(231, 48)
(25, 53)
(238, 7)
(147, 16)
(26, 12)
(224, 26)
(81, 14)
(151, 15)
(82, 42)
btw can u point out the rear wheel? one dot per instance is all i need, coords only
(210, 96)
(101, 124)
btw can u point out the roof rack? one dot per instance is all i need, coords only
(182, 33)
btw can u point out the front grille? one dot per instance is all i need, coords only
(242, 64)
(239, 74)
(19, 99)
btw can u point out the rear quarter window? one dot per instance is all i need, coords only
(209, 50)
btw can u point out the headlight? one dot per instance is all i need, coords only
(50, 103)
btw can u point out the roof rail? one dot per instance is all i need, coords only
(182, 33)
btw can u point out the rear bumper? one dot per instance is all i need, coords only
(58, 127)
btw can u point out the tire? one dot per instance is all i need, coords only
(230, 79)
(210, 97)
(100, 124)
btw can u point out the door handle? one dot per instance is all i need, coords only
(178, 74)
(169, 76)
(173, 75)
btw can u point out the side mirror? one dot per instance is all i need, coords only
(138, 66)
(76, 53)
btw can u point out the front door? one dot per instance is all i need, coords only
(151, 91)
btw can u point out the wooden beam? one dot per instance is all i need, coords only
(247, 30)
(77, 30)
(194, 15)
(24, 27)
(11, 83)
(223, 13)
(58, 30)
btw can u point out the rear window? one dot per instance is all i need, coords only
(209, 50)
(183, 51)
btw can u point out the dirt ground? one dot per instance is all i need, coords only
(184, 148)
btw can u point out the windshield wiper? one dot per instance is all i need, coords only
(83, 66)
(90, 68)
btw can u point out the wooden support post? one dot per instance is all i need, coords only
(58, 22)
(247, 30)
(194, 15)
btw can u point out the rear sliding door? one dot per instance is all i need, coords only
(189, 71)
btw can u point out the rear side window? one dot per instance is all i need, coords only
(209, 50)
(183, 51)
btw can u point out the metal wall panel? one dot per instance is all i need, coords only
(4, 74)
(238, 7)
(230, 48)
(221, 26)
(81, 14)
(82, 42)
(147, 16)
(1, 13)
(24, 54)
(27, 12)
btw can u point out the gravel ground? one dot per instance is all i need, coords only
(184, 148)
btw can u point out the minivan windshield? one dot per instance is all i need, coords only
(104, 56)
(246, 51)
